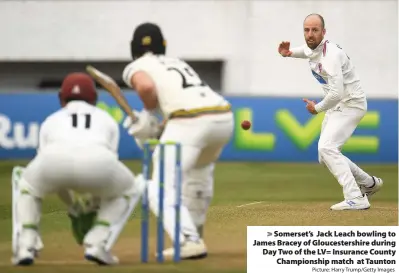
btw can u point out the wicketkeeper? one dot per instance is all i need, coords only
(78, 151)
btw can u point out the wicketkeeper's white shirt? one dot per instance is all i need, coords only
(79, 124)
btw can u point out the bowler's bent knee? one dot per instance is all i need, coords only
(326, 153)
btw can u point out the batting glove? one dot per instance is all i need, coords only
(146, 126)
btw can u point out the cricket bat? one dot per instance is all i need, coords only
(112, 87)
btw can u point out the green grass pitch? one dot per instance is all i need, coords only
(245, 194)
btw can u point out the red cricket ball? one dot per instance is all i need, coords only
(246, 124)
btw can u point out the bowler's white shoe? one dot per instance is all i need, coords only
(24, 257)
(378, 182)
(188, 250)
(353, 204)
(100, 256)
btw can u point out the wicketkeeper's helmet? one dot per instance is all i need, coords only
(78, 86)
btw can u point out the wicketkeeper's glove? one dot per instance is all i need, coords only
(83, 214)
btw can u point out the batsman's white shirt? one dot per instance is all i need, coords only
(78, 147)
(178, 85)
(337, 75)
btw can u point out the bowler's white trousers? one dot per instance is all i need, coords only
(337, 127)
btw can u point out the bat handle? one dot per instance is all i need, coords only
(133, 117)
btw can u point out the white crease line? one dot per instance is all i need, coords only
(249, 204)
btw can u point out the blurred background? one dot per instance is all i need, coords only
(231, 44)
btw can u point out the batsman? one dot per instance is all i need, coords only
(195, 116)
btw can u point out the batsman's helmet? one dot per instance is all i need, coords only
(78, 86)
(147, 37)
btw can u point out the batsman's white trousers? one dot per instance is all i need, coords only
(94, 170)
(202, 140)
(337, 127)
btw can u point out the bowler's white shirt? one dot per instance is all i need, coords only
(334, 70)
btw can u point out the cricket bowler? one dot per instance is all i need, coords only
(344, 104)
(78, 151)
(198, 118)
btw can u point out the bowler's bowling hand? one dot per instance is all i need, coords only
(310, 105)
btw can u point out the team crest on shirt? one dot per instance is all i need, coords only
(317, 71)
(319, 65)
